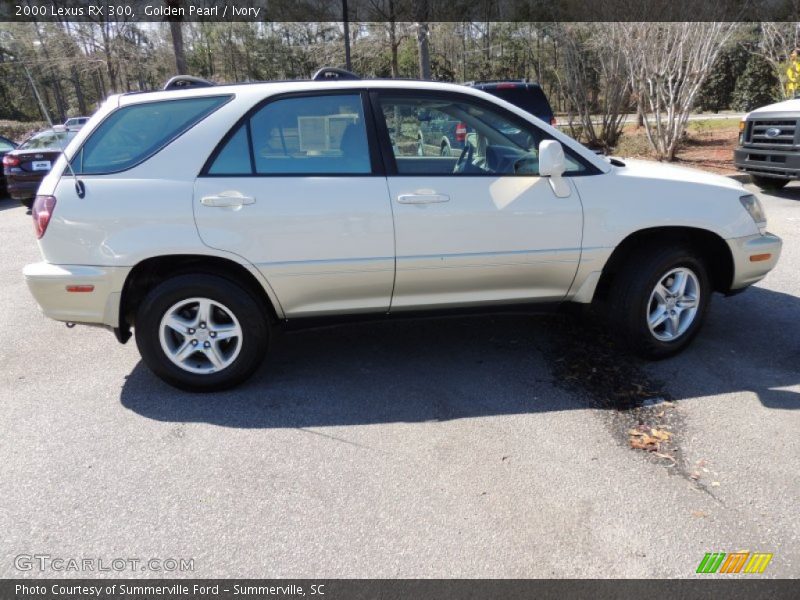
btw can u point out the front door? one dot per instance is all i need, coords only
(480, 226)
(293, 191)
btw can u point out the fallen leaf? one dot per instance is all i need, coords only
(644, 442)
(660, 434)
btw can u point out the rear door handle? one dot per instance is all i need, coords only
(227, 199)
(422, 198)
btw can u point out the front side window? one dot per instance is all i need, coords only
(309, 135)
(440, 136)
(134, 133)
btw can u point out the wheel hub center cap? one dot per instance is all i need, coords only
(201, 335)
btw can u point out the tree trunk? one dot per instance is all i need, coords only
(347, 61)
(176, 29)
(421, 15)
(393, 43)
(424, 52)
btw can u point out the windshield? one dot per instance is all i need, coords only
(48, 139)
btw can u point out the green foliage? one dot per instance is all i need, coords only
(717, 91)
(757, 86)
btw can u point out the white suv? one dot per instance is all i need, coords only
(204, 217)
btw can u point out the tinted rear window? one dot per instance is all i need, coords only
(48, 139)
(134, 133)
(531, 99)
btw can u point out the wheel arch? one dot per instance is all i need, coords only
(711, 248)
(151, 271)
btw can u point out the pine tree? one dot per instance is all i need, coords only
(717, 92)
(757, 86)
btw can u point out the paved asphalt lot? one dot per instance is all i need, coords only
(465, 447)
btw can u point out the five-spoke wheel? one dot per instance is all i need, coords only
(201, 332)
(673, 304)
(200, 335)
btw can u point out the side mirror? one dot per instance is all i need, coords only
(552, 164)
(551, 159)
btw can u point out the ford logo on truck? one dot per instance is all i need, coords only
(772, 132)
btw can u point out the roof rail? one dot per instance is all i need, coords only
(479, 82)
(333, 74)
(182, 82)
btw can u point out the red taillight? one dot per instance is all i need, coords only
(10, 161)
(42, 211)
(461, 132)
(553, 121)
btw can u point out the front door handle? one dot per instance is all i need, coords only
(227, 199)
(422, 198)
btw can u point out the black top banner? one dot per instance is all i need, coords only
(399, 10)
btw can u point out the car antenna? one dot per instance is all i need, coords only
(80, 188)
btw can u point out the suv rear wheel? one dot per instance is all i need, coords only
(201, 333)
(658, 301)
(769, 183)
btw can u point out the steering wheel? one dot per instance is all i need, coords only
(465, 158)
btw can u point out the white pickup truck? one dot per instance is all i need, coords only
(769, 145)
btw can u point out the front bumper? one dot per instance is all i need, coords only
(753, 257)
(48, 283)
(768, 162)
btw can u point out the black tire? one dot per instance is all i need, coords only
(247, 310)
(27, 203)
(446, 150)
(772, 184)
(628, 303)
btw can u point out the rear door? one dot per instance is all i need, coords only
(297, 189)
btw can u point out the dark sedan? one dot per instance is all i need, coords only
(6, 145)
(26, 166)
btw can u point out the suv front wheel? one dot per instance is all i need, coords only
(201, 333)
(658, 301)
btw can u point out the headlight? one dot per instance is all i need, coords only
(756, 211)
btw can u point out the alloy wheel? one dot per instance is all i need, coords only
(200, 335)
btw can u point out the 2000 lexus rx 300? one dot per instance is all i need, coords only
(204, 217)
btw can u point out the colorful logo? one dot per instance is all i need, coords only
(737, 562)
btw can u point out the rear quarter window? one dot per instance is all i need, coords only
(134, 133)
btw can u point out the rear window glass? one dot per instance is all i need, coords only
(531, 99)
(134, 133)
(309, 135)
(48, 139)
